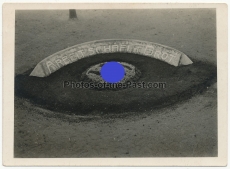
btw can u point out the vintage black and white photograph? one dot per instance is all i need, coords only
(115, 83)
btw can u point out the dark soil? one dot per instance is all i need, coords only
(181, 83)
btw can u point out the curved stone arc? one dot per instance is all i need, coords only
(72, 54)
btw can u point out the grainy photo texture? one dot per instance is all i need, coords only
(115, 83)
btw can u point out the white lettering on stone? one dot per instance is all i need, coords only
(73, 56)
(148, 51)
(50, 65)
(59, 63)
(91, 51)
(97, 49)
(107, 48)
(122, 47)
(115, 48)
(157, 54)
(77, 52)
(172, 57)
(137, 49)
(65, 60)
(81, 52)
(128, 48)
(164, 56)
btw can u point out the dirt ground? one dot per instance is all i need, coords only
(185, 129)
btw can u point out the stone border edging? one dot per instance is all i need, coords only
(72, 54)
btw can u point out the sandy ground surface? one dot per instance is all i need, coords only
(188, 128)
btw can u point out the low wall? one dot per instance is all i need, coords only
(72, 54)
